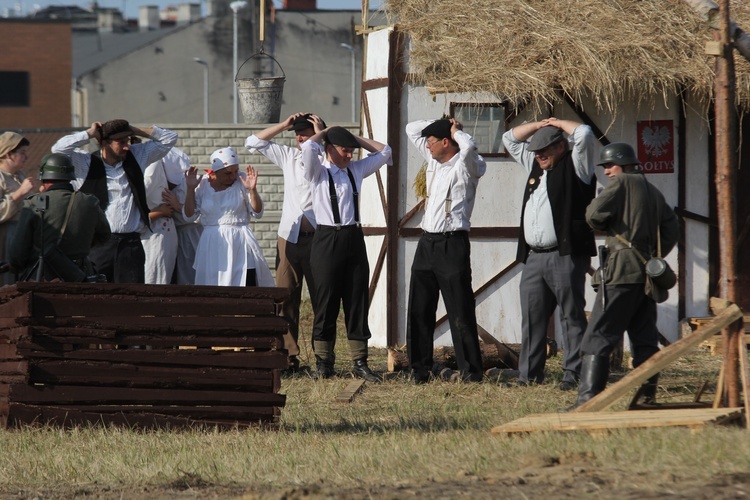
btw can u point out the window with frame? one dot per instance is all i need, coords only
(485, 122)
(14, 89)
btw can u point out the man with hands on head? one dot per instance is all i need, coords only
(115, 176)
(555, 243)
(442, 263)
(297, 225)
(338, 256)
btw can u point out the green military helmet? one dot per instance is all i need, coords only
(619, 153)
(56, 167)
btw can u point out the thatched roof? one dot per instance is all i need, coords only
(529, 50)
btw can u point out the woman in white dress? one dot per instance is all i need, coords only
(228, 253)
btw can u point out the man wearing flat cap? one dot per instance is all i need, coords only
(14, 188)
(115, 176)
(442, 262)
(555, 243)
(340, 269)
(297, 225)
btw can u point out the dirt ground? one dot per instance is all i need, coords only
(555, 477)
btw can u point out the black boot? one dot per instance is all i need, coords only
(325, 359)
(361, 370)
(648, 390)
(594, 371)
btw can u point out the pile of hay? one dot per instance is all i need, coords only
(531, 50)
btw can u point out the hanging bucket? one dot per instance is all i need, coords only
(260, 98)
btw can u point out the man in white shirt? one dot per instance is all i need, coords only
(339, 259)
(442, 263)
(556, 243)
(115, 177)
(297, 225)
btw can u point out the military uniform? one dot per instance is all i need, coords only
(87, 225)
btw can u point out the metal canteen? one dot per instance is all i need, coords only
(660, 273)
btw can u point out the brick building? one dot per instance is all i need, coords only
(35, 74)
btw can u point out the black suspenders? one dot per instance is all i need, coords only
(335, 198)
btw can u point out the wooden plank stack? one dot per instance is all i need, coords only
(77, 353)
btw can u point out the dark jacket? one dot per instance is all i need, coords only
(632, 207)
(87, 226)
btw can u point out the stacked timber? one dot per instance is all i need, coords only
(145, 356)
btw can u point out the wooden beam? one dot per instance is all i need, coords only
(745, 378)
(658, 361)
(508, 355)
(351, 390)
(396, 80)
(693, 418)
(681, 200)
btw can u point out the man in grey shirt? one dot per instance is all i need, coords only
(555, 243)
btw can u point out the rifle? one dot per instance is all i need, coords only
(603, 257)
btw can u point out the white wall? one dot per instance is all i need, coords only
(499, 198)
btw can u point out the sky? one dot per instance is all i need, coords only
(131, 6)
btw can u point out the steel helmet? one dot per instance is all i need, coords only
(56, 167)
(618, 153)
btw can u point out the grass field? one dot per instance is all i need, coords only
(394, 440)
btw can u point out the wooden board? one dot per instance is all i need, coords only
(714, 344)
(60, 305)
(351, 390)
(597, 421)
(658, 362)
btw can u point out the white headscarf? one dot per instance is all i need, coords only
(223, 158)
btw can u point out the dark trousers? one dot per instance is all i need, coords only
(340, 273)
(292, 265)
(550, 280)
(121, 259)
(442, 264)
(629, 309)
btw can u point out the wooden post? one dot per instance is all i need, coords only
(726, 165)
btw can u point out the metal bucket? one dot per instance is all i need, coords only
(260, 98)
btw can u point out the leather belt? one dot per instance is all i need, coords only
(307, 233)
(544, 250)
(446, 234)
(126, 236)
(337, 227)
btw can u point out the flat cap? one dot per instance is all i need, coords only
(339, 136)
(303, 123)
(439, 129)
(545, 136)
(114, 127)
(8, 142)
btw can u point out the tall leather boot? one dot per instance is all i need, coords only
(358, 349)
(648, 389)
(324, 358)
(594, 371)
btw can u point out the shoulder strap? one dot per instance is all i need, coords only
(335, 199)
(356, 195)
(67, 217)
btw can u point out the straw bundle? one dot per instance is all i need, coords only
(529, 51)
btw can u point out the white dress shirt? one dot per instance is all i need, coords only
(122, 214)
(316, 167)
(538, 223)
(451, 186)
(297, 193)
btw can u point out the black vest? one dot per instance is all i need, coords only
(96, 183)
(569, 196)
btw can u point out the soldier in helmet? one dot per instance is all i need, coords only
(73, 221)
(632, 212)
